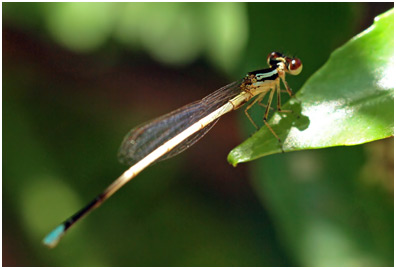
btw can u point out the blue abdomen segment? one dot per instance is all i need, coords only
(53, 237)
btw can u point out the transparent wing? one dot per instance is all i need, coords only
(188, 142)
(142, 140)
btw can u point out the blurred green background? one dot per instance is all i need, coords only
(78, 76)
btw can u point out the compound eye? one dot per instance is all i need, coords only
(272, 58)
(294, 66)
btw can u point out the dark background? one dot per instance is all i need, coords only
(77, 77)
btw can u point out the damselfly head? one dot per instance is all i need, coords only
(274, 58)
(294, 66)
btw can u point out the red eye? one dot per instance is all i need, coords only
(272, 58)
(294, 66)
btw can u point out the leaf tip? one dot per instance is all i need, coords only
(231, 159)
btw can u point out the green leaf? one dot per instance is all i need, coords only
(348, 101)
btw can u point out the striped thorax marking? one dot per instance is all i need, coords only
(268, 75)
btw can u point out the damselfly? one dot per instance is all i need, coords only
(172, 133)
